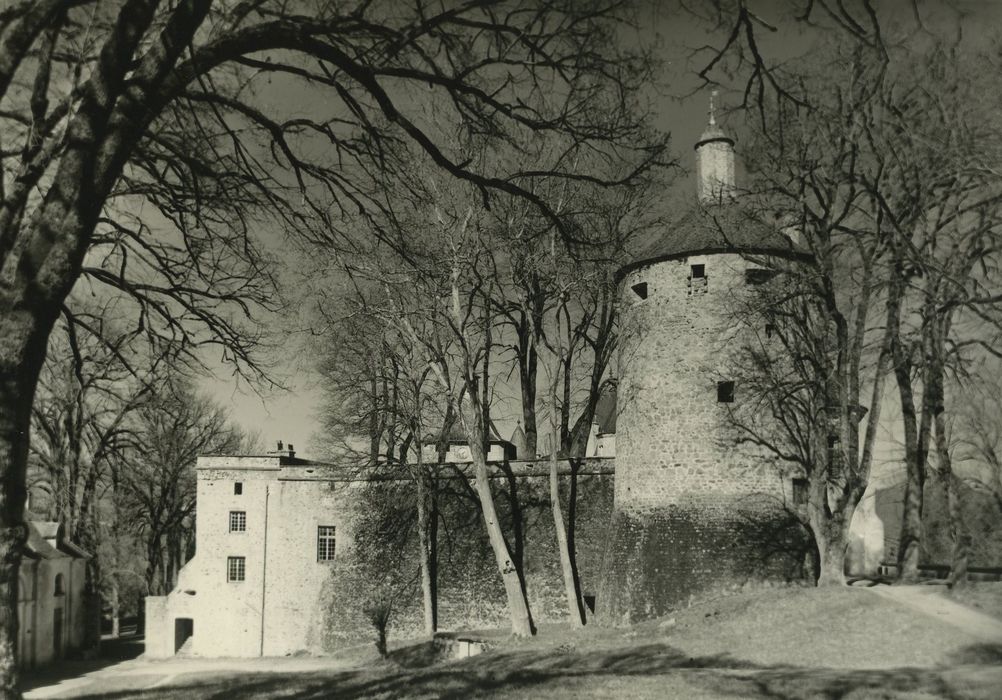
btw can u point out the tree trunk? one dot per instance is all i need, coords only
(910, 540)
(517, 518)
(115, 610)
(433, 542)
(832, 546)
(574, 607)
(22, 350)
(527, 370)
(92, 603)
(427, 585)
(961, 540)
(831, 536)
(574, 604)
(518, 603)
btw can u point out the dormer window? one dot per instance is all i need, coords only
(697, 279)
(640, 289)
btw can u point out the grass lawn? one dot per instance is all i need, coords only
(796, 643)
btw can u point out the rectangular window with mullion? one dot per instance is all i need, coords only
(236, 568)
(238, 521)
(325, 543)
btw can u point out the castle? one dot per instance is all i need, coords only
(692, 509)
(688, 511)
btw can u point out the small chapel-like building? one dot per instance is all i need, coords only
(51, 613)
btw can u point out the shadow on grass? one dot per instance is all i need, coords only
(980, 654)
(112, 652)
(654, 670)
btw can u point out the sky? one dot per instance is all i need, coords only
(290, 415)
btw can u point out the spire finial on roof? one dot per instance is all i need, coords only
(713, 111)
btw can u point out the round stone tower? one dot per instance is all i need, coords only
(694, 510)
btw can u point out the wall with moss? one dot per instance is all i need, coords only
(381, 565)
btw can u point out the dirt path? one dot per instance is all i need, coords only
(140, 674)
(930, 601)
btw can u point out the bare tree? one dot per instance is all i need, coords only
(821, 364)
(107, 106)
(80, 427)
(889, 191)
(157, 476)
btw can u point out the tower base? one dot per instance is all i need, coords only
(661, 559)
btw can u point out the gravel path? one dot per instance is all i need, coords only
(930, 601)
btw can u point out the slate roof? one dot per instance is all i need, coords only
(457, 436)
(723, 228)
(605, 410)
(45, 542)
(713, 132)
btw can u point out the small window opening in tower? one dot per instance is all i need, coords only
(697, 279)
(833, 448)
(640, 289)
(238, 488)
(725, 392)
(757, 275)
(770, 330)
(799, 492)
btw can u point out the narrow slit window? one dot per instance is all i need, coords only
(238, 488)
(640, 289)
(236, 568)
(725, 392)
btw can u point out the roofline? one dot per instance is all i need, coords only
(725, 139)
(771, 252)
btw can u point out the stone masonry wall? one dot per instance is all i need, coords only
(695, 510)
(470, 592)
(673, 438)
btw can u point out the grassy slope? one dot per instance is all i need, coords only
(800, 643)
(983, 596)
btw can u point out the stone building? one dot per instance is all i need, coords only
(50, 600)
(693, 510)
(276, 545)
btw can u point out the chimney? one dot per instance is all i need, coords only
(284, 450)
